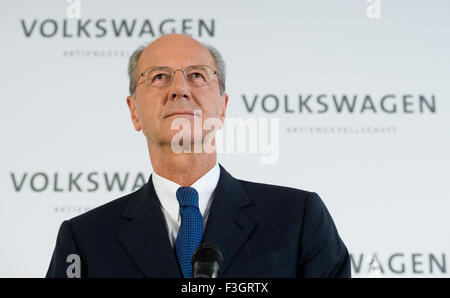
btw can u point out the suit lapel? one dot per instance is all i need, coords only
(146, 238)
(228, 226)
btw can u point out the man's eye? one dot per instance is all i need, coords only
(196, 76)
(160, 76)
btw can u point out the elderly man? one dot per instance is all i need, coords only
(261, 230)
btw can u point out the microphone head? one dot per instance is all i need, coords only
(206, 261)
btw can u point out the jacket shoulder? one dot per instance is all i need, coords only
(282, 194)
(105, 214)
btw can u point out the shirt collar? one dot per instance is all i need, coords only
(166, 191)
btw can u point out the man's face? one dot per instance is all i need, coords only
(153, 108)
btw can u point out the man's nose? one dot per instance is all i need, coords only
(179, 86)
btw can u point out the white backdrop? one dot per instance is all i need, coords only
(382, 168)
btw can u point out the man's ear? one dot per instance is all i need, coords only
(131, 102)
(224, 107)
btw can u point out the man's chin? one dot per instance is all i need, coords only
(171, 136)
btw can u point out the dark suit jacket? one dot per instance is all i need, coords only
(262, 230)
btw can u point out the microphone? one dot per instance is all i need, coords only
(206, 261)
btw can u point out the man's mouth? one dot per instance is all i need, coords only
(180, 113)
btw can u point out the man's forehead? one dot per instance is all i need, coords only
(176, 51)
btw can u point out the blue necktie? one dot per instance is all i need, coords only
(191, 229)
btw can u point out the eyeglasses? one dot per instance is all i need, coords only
(161, 76)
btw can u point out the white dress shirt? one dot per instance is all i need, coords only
(166, 191)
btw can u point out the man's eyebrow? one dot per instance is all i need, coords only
(157, 66)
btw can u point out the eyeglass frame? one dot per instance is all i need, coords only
(142, 74)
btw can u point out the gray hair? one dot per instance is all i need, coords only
(134, 59)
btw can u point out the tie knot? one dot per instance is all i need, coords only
(187, 197)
